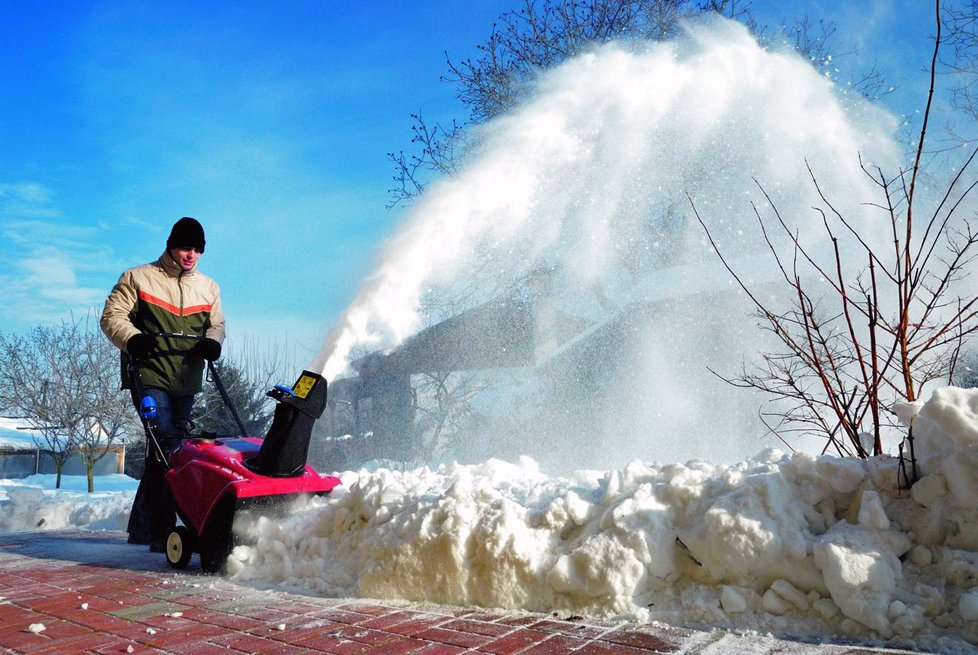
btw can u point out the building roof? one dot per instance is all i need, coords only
(15, 433)
(493, 335)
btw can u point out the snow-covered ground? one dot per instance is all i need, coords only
(33, 503)
(792, 544)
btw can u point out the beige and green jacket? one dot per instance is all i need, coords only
(161, 297)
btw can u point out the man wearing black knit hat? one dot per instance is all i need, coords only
(168, 296)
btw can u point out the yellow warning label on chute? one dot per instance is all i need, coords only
(304, 386)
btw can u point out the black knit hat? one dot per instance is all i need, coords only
(186, 233)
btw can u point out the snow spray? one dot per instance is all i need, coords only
(592, 181)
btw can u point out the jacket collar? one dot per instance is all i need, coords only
(172, 267)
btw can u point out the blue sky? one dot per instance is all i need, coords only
(269, 122)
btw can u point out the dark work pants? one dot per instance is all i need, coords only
(153, 512)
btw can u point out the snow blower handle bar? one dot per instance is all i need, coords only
(212, 370)
(147, 409)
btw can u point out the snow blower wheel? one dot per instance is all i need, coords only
(179, 547)
(216, 539)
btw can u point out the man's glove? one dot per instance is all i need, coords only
(140, 345)
(209, 349)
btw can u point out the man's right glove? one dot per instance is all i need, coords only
(140, 345)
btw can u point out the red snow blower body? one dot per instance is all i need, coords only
(213, 479)
(203, 472)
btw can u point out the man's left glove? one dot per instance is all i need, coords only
(209, 349)
(139, 345)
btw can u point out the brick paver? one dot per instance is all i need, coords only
(93, 593)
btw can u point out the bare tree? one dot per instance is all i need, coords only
(540, 35)
(960, 59)
(65, 381)
(440, 152)
(523, 43)
(815, 41)
(442, 406)
(103, 413)
(37, 404)
(851, 340)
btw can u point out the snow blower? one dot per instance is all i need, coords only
(213, 478)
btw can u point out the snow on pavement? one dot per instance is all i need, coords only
(790, 544)
(33, 503)
(793, 544)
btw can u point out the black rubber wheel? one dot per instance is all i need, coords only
(179, 547)
(216, 539)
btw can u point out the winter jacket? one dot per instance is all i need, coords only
(161, 297)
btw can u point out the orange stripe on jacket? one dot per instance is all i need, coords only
(196, 309)
(173, 309)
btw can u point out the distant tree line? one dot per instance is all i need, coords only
(57, 380)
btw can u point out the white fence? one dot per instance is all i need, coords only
(16, 463)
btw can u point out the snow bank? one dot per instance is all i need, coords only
(32, 503)
(796, 544)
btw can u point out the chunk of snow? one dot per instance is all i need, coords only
(921, 555)
(929, 490)
(946, 433)
(790, 593)
(871, 512)
(906, 411)
(826, 607)
(968, 605)
(732, 601)
(861, 572)
(774, 603)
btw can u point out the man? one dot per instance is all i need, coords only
(168, 296)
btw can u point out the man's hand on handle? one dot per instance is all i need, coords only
(140, 345)
(209, 349)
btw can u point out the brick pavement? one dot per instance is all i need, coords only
(93, 593)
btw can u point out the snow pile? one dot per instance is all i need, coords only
(32, 503)
(796, 544)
